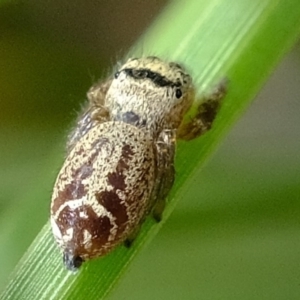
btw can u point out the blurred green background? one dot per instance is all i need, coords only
(237, 238)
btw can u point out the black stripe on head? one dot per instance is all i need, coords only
(155, 77)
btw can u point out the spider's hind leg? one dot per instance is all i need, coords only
(165, 148)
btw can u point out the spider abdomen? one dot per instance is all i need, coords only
(103, 190)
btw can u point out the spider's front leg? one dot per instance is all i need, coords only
(206, 113)
(93, 113)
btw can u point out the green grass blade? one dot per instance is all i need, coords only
(240, 40)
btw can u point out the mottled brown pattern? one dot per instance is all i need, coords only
(98, 227)
(83, 172)
(66, 219)
(117, 180)
(80, 151)
(98, 143)
(121, 166)
(111, 201)
(127, 152)
(74, 190)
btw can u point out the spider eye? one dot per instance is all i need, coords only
(178, 93)
(140, 74)
(117, 75)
